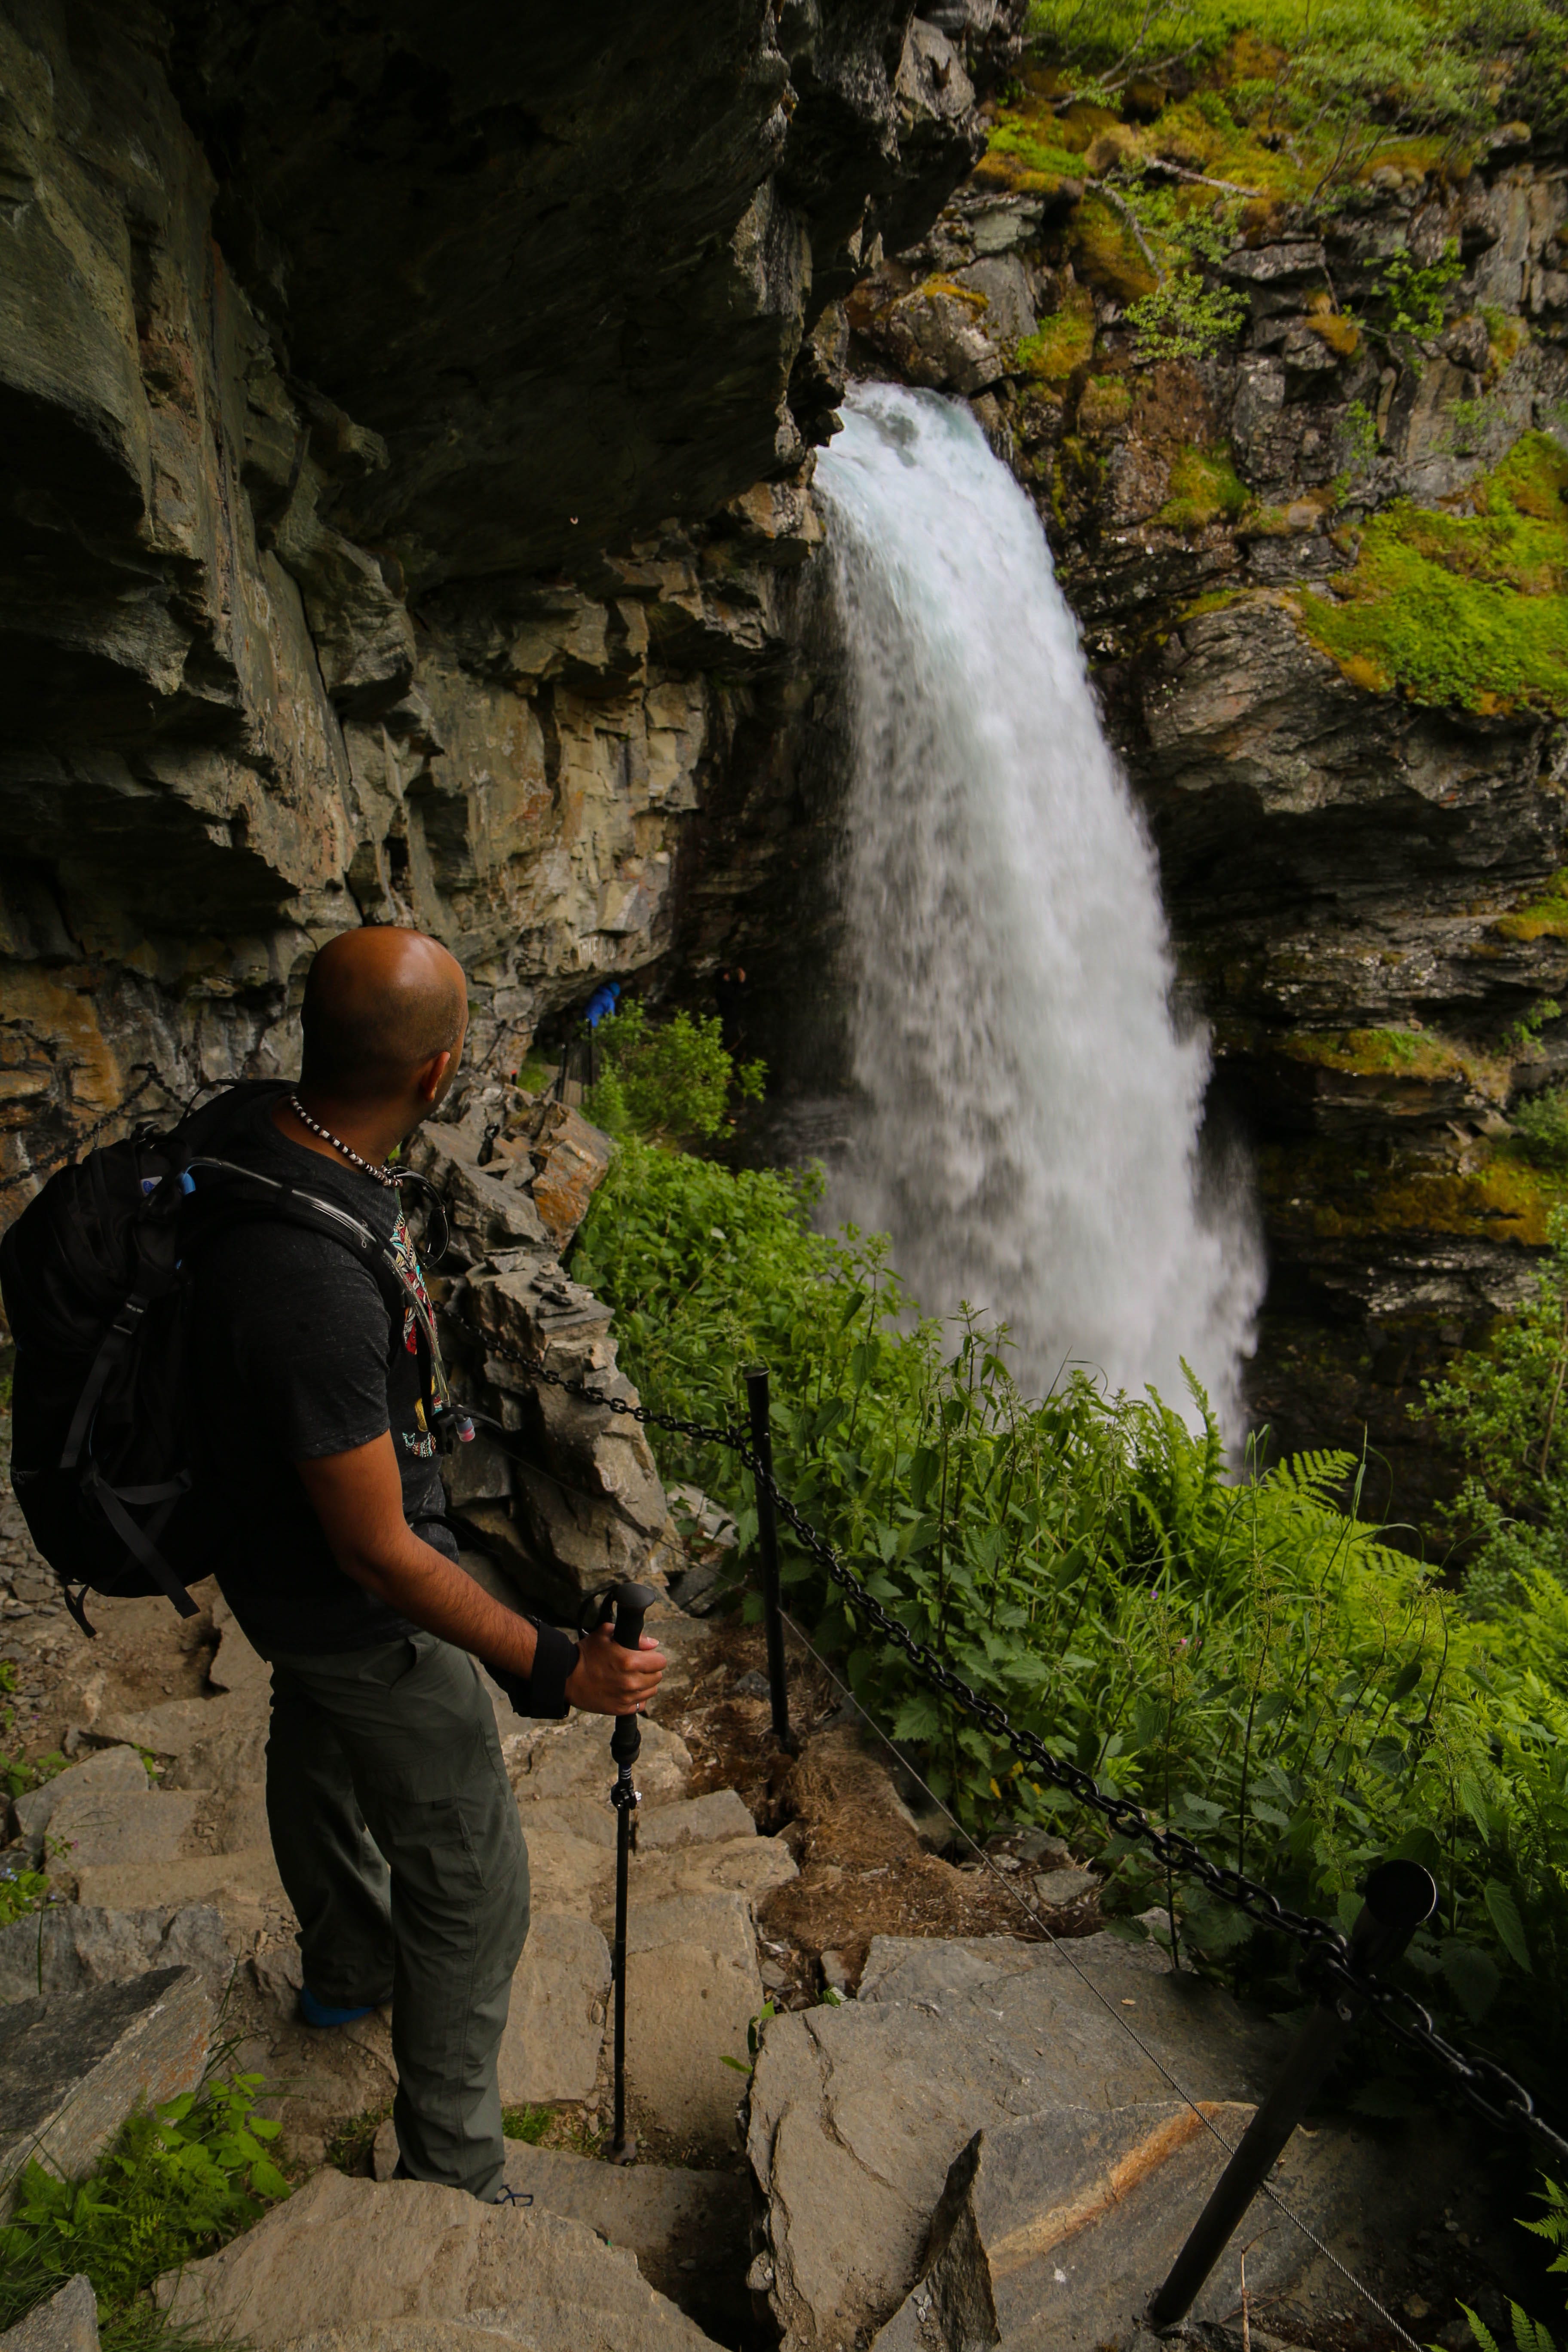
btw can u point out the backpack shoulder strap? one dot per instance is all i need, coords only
(282, 1201)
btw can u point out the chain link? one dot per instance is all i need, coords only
(1326, 1964)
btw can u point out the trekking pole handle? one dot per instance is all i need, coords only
(632, 1602)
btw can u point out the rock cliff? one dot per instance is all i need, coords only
(1329, 645)
(409, 428)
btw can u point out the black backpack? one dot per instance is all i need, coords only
(95, 1274)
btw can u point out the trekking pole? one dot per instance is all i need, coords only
(768, 1546)
(632, 1603)
(1398, 1896)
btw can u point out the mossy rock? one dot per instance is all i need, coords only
(1545, 918)
(1466, 610)
(1204, 487)
(1065, 340)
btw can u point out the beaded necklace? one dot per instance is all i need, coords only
(382, 1175)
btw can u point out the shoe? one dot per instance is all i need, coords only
(316, 2013)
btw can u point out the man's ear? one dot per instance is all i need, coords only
(427, 1085)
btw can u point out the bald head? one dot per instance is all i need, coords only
(380, 1005)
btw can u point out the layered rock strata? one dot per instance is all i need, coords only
(408, 448)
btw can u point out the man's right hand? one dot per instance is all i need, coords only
(608, 1680)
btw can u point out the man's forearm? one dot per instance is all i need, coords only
(422, 1584)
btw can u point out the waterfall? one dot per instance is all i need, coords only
(1027, 1118)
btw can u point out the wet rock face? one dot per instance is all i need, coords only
(353, 372)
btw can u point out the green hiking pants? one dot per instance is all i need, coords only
(398, 1842)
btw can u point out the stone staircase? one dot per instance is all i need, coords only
(970, 2149)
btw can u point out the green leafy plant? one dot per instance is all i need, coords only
(1414, 293)
(1542, 1123)
(1502, 1411)
(177, 2183)
(1532, 2334)
(670, 1080)
(1248, 1659)
(748, 2065)
(1184, 320)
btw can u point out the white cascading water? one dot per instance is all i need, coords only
(1028, 1121)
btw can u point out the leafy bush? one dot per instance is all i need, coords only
(176, 2184)
(1182, 320)
(1247, 1659)
(670, 1080)
(1542, 1122)
(1503, 1412)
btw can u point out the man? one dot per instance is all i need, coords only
(395, 1832)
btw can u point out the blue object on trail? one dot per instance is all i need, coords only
(316, 2012)
(601, 1003)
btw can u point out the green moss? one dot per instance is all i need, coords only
(1106, 253)
(1065, 340)
(1105, 404)
(1501, 1198)
(1467, 609)
(1204, 487)
(1421, 1055)
(1407, 1053)
(1212, 600)
(1545, 918)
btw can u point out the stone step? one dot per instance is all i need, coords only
(70, 1946)
(73, 2067)
(110, 1771)
(369, 2263)
(688, 2231)
(241, 1885)
(555, 2026)
(692, 1988)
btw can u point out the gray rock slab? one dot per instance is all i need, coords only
(1058, 1890)
(695, 1821)
(70, 1946)
(752, 1867)
(67, 2322)
(555, 2026)
(73, 2067)
(95, 1828)
(692, 1988)
(236, 1884)
(688, 2229)
(572, 1759)
(110, 1769)
(858, 2112)
(358, 2264)
(1053, 2232)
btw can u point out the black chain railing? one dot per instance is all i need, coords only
(1486, 2086)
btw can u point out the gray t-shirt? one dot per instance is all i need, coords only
(293, 1356)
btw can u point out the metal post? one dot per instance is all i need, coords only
(632, 1602)
(1399, 1895)
(768, 1545)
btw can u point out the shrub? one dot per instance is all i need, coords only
(176, 2184)
(1542, 1122)
(1249, 1660)
(1182, 320)
(669, 1079)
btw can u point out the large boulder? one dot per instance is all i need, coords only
(952, 2151)
(349, 2264)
